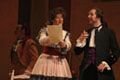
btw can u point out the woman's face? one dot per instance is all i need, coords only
(58, 19)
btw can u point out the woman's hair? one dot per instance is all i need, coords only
(54, 12)
(99, 14)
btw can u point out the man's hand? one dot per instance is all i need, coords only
(84, 35)
(101, 67)
(27, 72)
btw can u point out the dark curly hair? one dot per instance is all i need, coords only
(54, 12)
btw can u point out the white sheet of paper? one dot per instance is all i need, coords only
(55, 33)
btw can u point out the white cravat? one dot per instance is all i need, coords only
(92, 38)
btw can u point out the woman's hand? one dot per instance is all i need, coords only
(62, 44)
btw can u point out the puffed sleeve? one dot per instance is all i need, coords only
(68, 44)
(43, 38)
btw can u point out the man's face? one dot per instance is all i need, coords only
(92, 16)
(19, 32)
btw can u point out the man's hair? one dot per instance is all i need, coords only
(25, 28)
(99, 14)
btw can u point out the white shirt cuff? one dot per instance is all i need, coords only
(79, 44)
(106, 65)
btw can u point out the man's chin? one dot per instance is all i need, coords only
(90, 22)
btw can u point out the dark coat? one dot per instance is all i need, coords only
(107, 49)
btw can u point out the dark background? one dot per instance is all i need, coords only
(34, 13)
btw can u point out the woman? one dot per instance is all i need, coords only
(52, 64)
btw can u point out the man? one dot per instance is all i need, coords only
(24, 52)
(100, 48)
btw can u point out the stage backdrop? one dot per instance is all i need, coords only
(8, 22)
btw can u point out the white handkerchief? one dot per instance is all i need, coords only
(22, 76)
